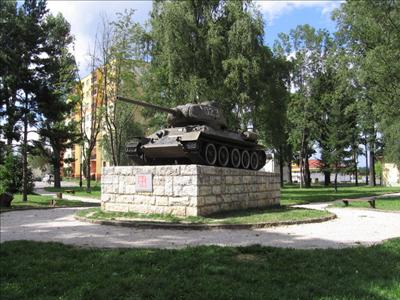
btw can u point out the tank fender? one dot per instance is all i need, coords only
(190, 136)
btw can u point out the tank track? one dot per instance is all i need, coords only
(201, 154)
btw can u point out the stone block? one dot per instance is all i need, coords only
(189, 170)
(178, 201)
(191, 211)
(216, 189)
(162, 200)
(167, 170)
(205, 190)
(210, 199)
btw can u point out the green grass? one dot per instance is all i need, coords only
(34, 270)
(79, 191)
(294, 195)
(251, 216)
(392, 204)
(37, 201)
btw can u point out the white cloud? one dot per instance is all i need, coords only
(84, 17)
(275, 9)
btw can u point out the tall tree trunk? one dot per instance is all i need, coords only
(301, 166)
(355, 168)
(290, 171)
(57, 170)
(281, 167)
(307, 174)
(88, 177)
(80, 173)
(372, 179)
(336, 174)
(25, 157)
(327, 178)
(366, 163)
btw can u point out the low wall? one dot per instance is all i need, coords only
(187, 190)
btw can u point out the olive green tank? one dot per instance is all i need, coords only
(196, 134)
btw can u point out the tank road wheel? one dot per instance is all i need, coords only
(223, 156)
(254, 161)
(245, 159)
(210, 154)
(235, 158)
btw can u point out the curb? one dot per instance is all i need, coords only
(183, 226)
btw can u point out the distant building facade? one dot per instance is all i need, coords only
(91, 100)
(390, 174)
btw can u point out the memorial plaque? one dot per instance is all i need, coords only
(144, 182)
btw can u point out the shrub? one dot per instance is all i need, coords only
(11, 175)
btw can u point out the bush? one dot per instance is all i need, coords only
(11, 175)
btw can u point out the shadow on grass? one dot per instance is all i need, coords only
(51, 270)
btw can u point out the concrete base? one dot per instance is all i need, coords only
(188, 190)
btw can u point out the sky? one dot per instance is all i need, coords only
(279, 16)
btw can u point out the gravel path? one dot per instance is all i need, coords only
(352, 227)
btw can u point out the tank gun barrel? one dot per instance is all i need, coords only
(148, 105)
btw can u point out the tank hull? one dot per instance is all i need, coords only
(197, 145)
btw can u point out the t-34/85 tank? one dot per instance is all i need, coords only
(196, 134)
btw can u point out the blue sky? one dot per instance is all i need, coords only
(279, 16)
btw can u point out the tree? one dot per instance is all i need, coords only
(206, 50)
(58, 82)
(22, 37)
(91, 120)
(271, 117)
(307, 49)
(370, 30)
(120, 56)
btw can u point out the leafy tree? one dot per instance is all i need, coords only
(307, 49)
(58, 82)
(271, 117)
(206, 50)
(22, 37)
(120, 56)
(370, 30)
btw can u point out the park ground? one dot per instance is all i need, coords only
(49, 270)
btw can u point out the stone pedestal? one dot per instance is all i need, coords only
(187, 190)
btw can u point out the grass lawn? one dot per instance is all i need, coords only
(385, 204)
(81, 192)
(36, 201)
(294, 195)
(237, 217)
(34, 270)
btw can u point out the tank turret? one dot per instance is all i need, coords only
(197, 133)
(206, 113)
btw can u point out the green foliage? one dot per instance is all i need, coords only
(11, 175)
(207, 272)
(54, 103)
(207, 51)
(370, 32)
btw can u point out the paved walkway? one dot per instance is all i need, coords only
(352, 227)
